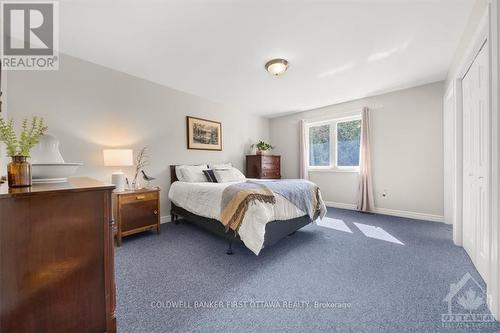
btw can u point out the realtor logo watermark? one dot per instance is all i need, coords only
(29, 35)
(467, 306)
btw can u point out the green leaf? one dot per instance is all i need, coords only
(28, 138)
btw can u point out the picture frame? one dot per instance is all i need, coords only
(203, 134)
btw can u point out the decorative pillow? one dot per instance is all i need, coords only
(191, 173)
(210, 175)
(228, 175)
(220, 166)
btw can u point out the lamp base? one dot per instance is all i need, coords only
(118, 179)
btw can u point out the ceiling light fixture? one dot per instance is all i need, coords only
(276, 66)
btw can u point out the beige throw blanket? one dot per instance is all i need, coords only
(237, 198)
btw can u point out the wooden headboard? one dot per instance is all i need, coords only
(173, 175)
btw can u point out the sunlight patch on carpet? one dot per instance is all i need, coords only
(339, 225)
(377, 233)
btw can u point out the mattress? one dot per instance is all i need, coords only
(204, 199)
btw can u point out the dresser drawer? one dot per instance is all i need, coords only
(138, 197)
(271, 174)
(270, 159)
(270, 167)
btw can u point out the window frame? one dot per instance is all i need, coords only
(318, 124)
(333, 167)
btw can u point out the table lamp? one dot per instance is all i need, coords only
(118, 158)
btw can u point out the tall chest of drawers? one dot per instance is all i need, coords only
(264, 166)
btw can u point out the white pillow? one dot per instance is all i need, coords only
(228, 175)
(178, 173)
(220, 166)
(191, 173)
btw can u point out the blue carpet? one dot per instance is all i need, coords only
(319, 279)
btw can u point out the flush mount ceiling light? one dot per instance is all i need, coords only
(276, 66)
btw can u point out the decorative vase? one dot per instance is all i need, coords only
(262, 152)
(19, 172)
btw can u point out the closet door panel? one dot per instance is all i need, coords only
(476, 161)
(482, 164)
(468, 176)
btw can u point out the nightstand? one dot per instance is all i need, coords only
(136, 211)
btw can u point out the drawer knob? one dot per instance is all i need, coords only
(140, 197)
(156, 212)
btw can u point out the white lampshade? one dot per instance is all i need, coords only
(118, 157)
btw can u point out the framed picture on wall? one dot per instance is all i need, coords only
(203, 134)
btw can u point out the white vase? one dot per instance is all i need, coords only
(46, 151)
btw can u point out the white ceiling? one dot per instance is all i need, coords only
(338, 50)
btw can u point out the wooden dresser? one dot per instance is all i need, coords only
(56, 258)
(136, 211)
(264, 166)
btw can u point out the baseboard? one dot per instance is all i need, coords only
(391, 212)
(340, 205)
(165, 219)
(410, 215)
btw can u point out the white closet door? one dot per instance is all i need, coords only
(482, 172)
(476, 155)
(469, 233)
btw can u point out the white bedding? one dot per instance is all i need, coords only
(204, 199)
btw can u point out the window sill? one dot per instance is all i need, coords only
(335, 170)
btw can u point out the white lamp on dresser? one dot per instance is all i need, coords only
(118, 158)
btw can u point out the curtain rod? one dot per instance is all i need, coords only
(328, 114)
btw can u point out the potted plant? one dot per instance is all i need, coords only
(18, 148)
(262, 147)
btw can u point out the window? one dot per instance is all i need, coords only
(335, 144)
(348, 142)
(319, 145)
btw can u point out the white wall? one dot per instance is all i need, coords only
(470, 43)
(480, 7)
(406, 148)
(89, 107)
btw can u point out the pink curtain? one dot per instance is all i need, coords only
(365, 194)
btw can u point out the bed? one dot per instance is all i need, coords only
(200, 204)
